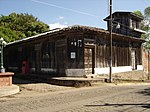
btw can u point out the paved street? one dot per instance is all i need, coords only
(101, 98)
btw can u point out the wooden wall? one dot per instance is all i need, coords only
(66, 51)
(75, 46)
(121, 51)
(120, 56)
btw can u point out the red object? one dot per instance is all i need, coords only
(25, 67)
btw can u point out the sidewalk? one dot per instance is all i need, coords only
(9, 90)
(29, 88)
(32, 88)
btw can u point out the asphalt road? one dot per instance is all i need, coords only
(102, 98)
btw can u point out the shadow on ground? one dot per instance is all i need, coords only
(145, 92)
(28, 79)
(17, 80)
(146, 105)
(36, 78)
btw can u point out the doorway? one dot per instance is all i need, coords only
(61, 60)
(89, 60)
(133, 57)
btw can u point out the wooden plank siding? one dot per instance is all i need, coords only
(75, 45)
(139, 56)
(121, 56)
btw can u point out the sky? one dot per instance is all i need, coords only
(61, 13)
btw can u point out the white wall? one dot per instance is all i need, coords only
(75, 72)
(116, 69)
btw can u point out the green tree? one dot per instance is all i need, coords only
(145, 25)
(138, 13)
(17, 26)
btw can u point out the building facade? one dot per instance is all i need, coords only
(75, 51)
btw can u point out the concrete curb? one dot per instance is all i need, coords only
(74, 82)
(9, 90)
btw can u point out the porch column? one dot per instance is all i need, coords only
(37, 58)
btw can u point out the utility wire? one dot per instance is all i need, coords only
(146, 2)
(64, 8)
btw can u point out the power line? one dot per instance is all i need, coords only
(64, 8)
(146, 2)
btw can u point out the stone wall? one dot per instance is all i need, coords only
(146, 61)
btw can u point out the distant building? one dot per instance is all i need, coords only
(77, 51)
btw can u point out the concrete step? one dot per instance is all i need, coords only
(75, 82)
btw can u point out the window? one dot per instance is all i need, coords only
(134, 24)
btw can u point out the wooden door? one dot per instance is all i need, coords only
(61, 60)
(133, 57)
(89, 60)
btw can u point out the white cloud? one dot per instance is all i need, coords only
(57, 25)
(60, 17)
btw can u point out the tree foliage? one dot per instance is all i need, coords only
(147, 13)
(138, 13)
(145, 25)
(17, 26)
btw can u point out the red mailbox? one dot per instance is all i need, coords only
(25, 67)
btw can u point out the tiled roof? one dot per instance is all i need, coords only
(77, 28)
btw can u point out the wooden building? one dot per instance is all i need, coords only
(130, 23)
(74, 51)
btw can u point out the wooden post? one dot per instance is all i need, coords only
(110, 47)
(148, 63)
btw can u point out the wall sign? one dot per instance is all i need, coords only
(76, 43)
(73, 55)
